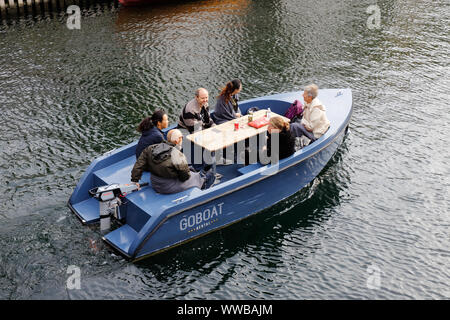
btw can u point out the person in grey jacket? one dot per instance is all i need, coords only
(168, 166)
(227, 107)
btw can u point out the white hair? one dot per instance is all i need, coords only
(312, 90)
(173, 135)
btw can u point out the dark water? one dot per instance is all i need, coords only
(373, 225)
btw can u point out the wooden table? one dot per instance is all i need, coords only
(224, 135)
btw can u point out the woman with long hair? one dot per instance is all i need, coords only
(285, 138)
(151, 130)
(227, 107)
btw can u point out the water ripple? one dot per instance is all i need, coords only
(69, 96)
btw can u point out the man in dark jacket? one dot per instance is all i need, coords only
(168, 166)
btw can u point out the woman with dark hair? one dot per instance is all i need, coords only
(227, 107)
(150, 128)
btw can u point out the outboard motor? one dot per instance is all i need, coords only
(110, 198)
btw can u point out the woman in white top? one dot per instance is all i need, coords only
(314, 122)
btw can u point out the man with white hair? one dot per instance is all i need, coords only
(314, 122)
(169, 168)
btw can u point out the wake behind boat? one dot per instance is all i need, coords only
(152, 222)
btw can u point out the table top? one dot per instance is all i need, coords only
(224, 135)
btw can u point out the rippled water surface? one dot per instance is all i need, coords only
(379, 210)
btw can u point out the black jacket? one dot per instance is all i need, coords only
(287, 144)
(149, 137)
(162, 160)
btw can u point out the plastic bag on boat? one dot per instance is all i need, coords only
(295, 111)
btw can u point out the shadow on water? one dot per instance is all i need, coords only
(264, 231)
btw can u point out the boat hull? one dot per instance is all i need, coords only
(154, 222)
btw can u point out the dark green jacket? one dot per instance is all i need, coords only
(163, 160)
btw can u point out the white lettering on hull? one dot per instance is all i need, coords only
(201, 219)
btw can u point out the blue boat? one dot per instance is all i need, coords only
(149, 223)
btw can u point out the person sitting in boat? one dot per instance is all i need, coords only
(168, 166)
(314, 122)
(227, 107)
(286, 141)
(195, 114)
(150, 129)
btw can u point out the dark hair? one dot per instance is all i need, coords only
(152, 121)
(229, 89)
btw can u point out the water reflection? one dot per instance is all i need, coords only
(206, 43)
(155, 17)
